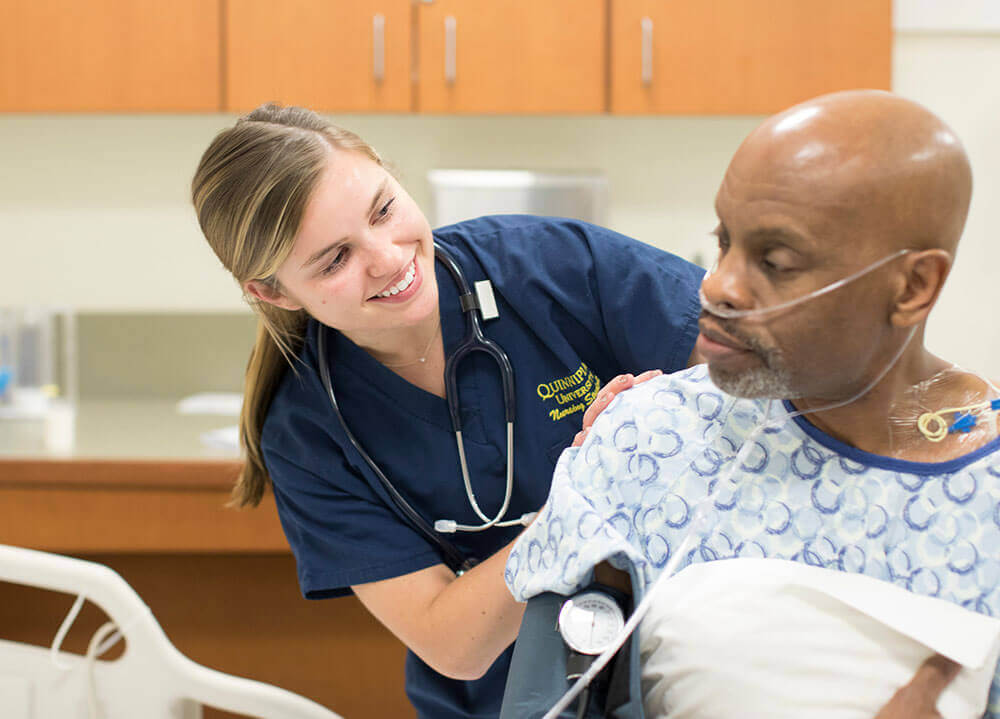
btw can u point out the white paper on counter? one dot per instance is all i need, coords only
(227, 438)
(777, 639)
(223, 403)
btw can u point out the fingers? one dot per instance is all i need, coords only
(647, 375)
(611, 390)
(935, 674)
(604, 397)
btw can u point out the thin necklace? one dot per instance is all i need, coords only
(423, 357)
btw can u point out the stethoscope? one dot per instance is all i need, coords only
(474, 341)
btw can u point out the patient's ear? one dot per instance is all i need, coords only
(919, 285)
(272, 294)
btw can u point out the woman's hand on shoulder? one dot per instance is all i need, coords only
(608, 392)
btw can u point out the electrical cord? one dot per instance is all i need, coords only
(104, 638)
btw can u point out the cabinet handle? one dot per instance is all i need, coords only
(378, 47)
(449, 49)
(647, 51)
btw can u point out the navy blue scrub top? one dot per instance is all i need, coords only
(578, 305)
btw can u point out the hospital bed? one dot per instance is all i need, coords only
(150, 680)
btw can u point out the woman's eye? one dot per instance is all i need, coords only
(385, 211)
(336, 263)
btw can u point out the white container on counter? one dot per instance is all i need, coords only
(463, 194)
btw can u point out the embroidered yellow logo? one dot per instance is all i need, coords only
(577, 391)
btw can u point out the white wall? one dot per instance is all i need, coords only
(958, 77)
(94, 209)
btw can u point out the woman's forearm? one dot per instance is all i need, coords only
(458, 625)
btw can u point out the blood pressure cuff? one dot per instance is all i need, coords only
(537, 677)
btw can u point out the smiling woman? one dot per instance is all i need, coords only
(340, 264)
(359, 260)
(252, 232)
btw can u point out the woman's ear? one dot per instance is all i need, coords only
(266, 292)
(923, 277)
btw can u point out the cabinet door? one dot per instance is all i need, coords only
(744, 56)
(511, 56)
(109, 55)
(330, 55)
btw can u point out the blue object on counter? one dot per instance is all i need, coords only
(5, 377)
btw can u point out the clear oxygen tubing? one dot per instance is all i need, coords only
(727, 313)
(698, 521)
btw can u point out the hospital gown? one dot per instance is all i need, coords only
(630, 495)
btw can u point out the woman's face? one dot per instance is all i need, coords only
(363, 260)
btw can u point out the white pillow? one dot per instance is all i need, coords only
(769, 638)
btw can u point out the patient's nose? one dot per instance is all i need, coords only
(725, 284)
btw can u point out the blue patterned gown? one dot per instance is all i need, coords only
(629, 494)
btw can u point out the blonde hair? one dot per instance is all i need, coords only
(250, 192)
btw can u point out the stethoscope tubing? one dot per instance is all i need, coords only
(474, 341)
(450, 554)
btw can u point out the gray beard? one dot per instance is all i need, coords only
(771, 380)
(767, 382)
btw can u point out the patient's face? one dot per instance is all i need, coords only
(788, 227)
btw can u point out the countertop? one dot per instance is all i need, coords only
(144, 428)
(125, 476)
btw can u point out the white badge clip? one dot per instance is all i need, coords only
(487, 302)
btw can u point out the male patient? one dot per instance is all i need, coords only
(863, 481)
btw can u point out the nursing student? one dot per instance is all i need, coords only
(339, 263)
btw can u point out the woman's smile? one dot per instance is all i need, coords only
(402, 287)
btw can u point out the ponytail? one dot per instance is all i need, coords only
(280, 334)
(250, 192)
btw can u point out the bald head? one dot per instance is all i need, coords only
(883, 168)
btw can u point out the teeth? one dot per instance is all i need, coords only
(411, 272)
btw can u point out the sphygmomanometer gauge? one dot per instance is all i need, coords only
(590, 621)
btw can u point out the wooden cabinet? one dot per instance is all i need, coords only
(743, 56)
(344, 55)
(439, 56)
(109, 55)
(511, 56)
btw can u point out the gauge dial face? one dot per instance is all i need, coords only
(590, 621)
